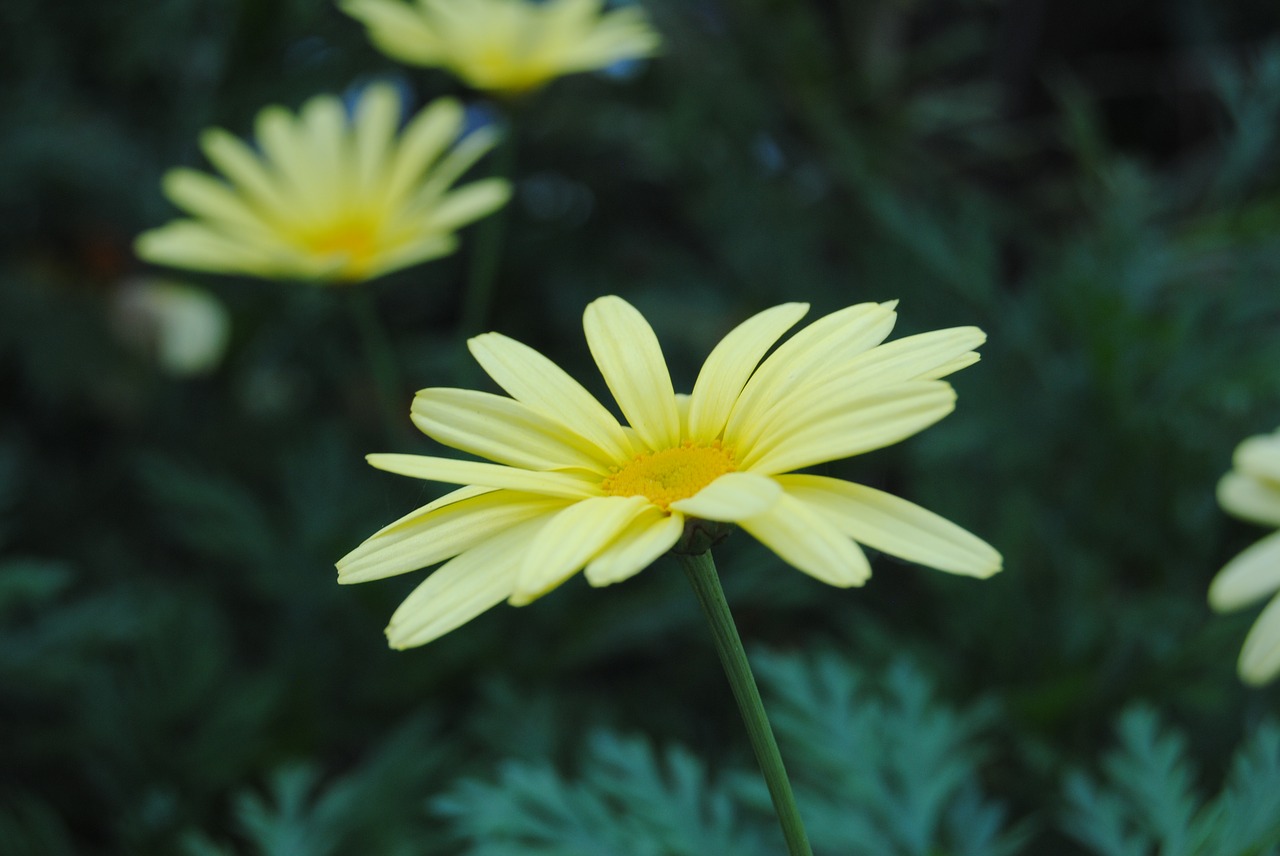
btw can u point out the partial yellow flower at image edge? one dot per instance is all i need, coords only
(1251, 491)
(326, 196)
(506, 46)
(570, 487)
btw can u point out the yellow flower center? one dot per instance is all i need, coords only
(355, 239)
(669, 475)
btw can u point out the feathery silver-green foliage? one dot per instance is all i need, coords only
(1148, 800)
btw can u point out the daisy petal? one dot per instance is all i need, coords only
(1260, 656)
(534, 380)
(459, 159)
(376, 116)
(451, 471)
(416, 251)
(1250, 499)
(194, 245)
(807, 541)
(731, 497)
(731, 363)
(501, 429)
(430, 535)
(894, 525)
(570, 539)
(323, 125)
(397, 29)
(461, 589)
(475, 200)
(877, 420)
(421, 143)
(242, 166)
(1260, 456)
(207, 197)
(630, 358)
(285, 147)
(1249, 577)
(834, 388)
(647, 537)
(837, 336)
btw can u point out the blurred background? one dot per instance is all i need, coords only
(1094, 183)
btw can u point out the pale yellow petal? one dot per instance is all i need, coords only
(893, 525)
(451, 471)
(878, 420)
(731, 497)
(472, 202)
(374, 129)
(193, 245)
(833, 337)
(421, 144)
(245, 169)
(570, 539)
(831, 389)
(322, 124)
(459, 159)
(531, 378)
(923, 355)
(807, 541)
(1250, 499)
(503, 430)
(430, 535)
(951, 366)
(284, 143)
(1249, 577)
(397, 30)
(463, 588)
(731, 363)
(1260, 656)
(1260, 457)
(646, 538)
(425, 248)
(630, 358)
(211, 199)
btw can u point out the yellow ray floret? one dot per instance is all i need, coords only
(507, 46)
(328, 197)
(1251, 491)
(571, 488)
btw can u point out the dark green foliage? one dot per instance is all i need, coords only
(881, 770)
(1150, 801)
(1094, 184)
(878, 770)
(628, 798)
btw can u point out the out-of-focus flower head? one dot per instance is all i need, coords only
(1251, 491)
(506, 46)
(329, 196)
(183, 327)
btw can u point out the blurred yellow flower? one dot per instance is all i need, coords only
(329, 197)
(507, 46)
(1251, 491)
(572, 487)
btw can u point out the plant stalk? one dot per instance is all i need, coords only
(701, 572)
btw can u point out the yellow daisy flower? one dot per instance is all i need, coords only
(571, 487)
(329, 197)
(1251, 491)
(507, 46)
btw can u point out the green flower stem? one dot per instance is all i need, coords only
(486, 248)
(379, 357)
(701, 571)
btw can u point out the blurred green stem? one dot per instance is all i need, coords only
(379, 357)
(487, 244)
(701, 571)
